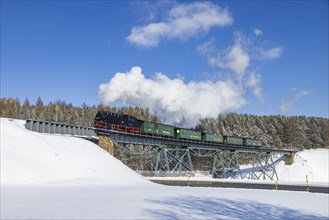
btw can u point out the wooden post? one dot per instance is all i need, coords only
(188, 179)
(307, 186)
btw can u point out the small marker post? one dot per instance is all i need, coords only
(188, 179)
(307, 186)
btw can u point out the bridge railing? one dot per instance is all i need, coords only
(58, 128)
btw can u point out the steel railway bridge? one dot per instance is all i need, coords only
(175, 156)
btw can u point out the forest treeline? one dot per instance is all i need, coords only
(277, 131)
(60, 111)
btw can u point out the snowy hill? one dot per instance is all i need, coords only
(32, 158)
(58, 177)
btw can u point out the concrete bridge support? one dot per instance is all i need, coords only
(289, 158)
(106, 143)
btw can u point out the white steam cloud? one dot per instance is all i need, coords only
(174, 101)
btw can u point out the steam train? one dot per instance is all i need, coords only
(129, 124)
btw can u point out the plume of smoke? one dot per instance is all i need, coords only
(172, 100)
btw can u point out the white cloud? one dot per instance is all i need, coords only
(238, 57)
(258, 32)
(286, 106)
(183, 21)
(301, 93)
(234, 58)
(173, 100)
(151, 10)
(270, 54)
(237, 60)
(254, 83)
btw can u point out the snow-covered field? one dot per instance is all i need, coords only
(57, 177)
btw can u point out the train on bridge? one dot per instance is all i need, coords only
(130, 124)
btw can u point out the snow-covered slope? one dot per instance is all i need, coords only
(313, 163)
(32, 158)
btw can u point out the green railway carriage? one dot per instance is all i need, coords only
(212, 137)
(233, 140)
(252, 142)
(188, 134)
(166, 130)
(157, 129)
(148, 128)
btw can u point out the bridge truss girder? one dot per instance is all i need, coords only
(226, 165)
(173, 159)
(263, 167)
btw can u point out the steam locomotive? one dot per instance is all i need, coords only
(130, 124)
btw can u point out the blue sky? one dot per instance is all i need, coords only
(274, 55)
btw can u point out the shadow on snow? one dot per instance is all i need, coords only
(212, 208)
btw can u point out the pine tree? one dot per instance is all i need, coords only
(39, 110)
(324, 130)
(290, 133)
(26, 109)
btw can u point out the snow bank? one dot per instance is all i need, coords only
(313, 163)
(29, 158)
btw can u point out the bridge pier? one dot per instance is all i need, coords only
(106, 143)
(263, 167)
(226, 165)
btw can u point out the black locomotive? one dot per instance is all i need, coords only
(114, 121)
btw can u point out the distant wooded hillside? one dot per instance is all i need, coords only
(277, 131)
